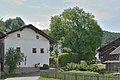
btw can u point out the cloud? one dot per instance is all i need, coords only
(42, 5)
(39, 25)
(9, 14)
(101, 9)
(78, 1)
(16, 2)
(35, 6)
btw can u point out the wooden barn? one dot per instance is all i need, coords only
(110, 55)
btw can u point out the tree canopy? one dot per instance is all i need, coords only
(77, 30)
(11, 24)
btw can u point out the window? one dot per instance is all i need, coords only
(34, 50)
(37, 37)
(25, 60)
(42, 50)
(18, 35)
(18, 49)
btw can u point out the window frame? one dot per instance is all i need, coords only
(42, 50)
(18, 35)
(34, 50)
(37, 36)
(18, 49)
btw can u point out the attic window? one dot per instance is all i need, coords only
(18, 49)
(18, 35)
(37, 37)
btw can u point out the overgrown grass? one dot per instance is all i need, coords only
(83, 72)
(43, 78)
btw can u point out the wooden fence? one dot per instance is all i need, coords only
(77, 76)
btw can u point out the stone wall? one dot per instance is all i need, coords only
(23, 70)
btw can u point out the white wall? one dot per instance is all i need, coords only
(27, 41)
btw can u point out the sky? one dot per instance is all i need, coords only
(39, 12)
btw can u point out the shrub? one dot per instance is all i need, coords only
(72, 66)
(102, 71)
(54, 62)
(13, 59)
(61, 70)
(83, 66)
(65, 49)
(45, 66)
(65, 58)
(93, 68)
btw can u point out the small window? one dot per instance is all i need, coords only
(18, 49)
(37, 37)
(18, 35)
(25, 60)
(42, 50)
(34, 50)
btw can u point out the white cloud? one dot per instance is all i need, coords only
(39, 19)
(16, 2)
(35, 6)
(101, 9)
(39, 25)
(40, 5)
(9, 14)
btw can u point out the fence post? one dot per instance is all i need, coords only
(75, 76)
(64, 76)
(97, 77)
(55, 74)
(47, 73)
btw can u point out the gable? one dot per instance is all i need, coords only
(51, 40)
(116, 51)
(26, 34)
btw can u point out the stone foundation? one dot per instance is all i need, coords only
(20, 70)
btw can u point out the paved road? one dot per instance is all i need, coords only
(28, 76)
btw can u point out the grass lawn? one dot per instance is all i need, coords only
(43, 78)
(83, 72)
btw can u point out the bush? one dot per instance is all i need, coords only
(65, 58)
(83, 66)
(102, 71)
(61, 70)
(72, 66)
(66, 50)
(13, 59)
(93, 68)
(45, 66)
(54, 62)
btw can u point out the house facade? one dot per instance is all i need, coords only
(110, 55)
(32, 42)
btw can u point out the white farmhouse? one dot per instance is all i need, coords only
(32, 42)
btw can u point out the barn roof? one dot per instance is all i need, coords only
(107, 49)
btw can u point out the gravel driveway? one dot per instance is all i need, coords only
(26, 76)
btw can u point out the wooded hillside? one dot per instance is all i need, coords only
(109, 36)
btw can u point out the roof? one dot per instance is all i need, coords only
(116, 51)
(112, 61)
(51, 40)
(2, 34)
(107, 49)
